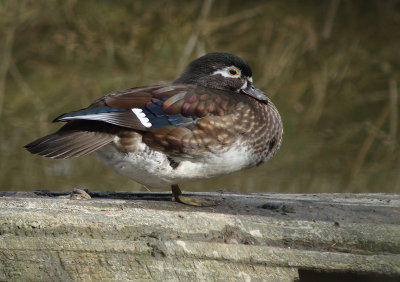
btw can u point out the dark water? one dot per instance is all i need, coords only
(333, 72)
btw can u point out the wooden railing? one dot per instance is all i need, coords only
(246, 237)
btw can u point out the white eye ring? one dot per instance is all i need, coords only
(226, 72)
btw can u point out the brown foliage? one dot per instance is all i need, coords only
(331, 67)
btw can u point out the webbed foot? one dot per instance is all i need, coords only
(80, 194)
(177, 195)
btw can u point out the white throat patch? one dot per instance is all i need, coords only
(244, 85)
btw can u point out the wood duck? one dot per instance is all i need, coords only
(209, 122)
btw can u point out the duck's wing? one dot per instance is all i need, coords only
(156, 109)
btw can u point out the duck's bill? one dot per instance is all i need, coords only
(254, 92)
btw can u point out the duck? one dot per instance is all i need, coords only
(210, 121)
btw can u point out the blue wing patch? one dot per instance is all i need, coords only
(132, 118)
(159, 118)
(87, 112)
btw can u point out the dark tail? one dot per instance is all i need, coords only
(74, 139)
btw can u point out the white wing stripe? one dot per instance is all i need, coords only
(142, 117)
(114, 118)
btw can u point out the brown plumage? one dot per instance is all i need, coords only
(210, 122)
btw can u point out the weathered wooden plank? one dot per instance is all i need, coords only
(246, 237)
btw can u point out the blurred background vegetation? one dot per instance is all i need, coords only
(331, 67)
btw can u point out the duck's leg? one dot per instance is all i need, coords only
(177, 195)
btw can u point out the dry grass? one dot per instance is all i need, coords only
(331, 67)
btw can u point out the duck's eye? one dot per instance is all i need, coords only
(233, 72)
(229, 72)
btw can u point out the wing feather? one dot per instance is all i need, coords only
(168, 116)
(125, 118)
(76, 138)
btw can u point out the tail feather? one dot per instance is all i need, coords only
(73, 140)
